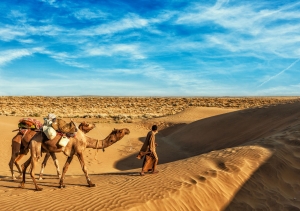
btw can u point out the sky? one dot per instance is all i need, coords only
(149, 48)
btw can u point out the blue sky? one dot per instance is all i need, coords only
(150, 48)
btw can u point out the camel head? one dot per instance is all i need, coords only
(86, 127)
(115, 135)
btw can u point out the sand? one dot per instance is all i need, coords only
(210, 158)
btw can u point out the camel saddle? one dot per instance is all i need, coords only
(29, 123)
(62, 126)
(60, 140)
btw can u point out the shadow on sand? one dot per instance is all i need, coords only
(237, 129)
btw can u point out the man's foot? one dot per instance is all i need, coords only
(142, 173)
(154, 172)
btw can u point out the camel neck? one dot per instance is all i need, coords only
(94, 143)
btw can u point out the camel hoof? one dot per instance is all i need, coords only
(62, 186)
(92, 185)
(39, 189)
(40, 178)
(22, 185)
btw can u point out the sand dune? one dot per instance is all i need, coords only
(209, 159)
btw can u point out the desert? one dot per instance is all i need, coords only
(149, 105)
(216, 153)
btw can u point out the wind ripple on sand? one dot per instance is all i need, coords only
(181, 185)
(262, 174)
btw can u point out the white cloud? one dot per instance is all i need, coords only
(51, 2)
(10, 55)
(9, 33)
(89, 14)
(116, 49)
(247, 28)
(282, 71)
(132, 21)
(65, 58)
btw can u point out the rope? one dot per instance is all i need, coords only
(103, 146)
(96, 150)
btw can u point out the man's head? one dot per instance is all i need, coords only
(51, 116)
(154, 128)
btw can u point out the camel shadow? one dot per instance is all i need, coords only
(131, 173)
(3, 177)
(10, 187)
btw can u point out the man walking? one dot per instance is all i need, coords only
(149, 151)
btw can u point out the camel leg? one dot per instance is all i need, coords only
(44, 165)
(15, 150)
(56, 163)
(24, 167)
(19, 157)
(11, 166)
(35, 148)
(65, 169)
(84, 169)
(34, 161)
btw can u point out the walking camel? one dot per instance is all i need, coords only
(85, 128)
(76, 145)
(20, 148)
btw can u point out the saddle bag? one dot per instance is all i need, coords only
(63, 141)
(49, 132)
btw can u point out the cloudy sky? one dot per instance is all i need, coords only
(150, 48)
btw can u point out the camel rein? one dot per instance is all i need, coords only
(97, 148)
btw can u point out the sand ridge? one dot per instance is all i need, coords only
(223, 159)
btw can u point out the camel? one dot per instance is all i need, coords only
(75, 146)
(85, 128)
(20, 148)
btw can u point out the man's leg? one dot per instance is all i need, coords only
(155, 171)
(142, 173)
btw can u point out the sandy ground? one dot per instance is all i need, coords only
(209, 159)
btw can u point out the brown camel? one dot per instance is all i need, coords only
(76, 146)
(85, 128)
(20, 148)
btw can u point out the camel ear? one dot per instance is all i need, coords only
(120, 131)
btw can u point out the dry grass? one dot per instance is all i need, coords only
(124, 109)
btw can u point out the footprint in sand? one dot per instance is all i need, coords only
(227, 167)
(192, 181)
(211, 173)
(201, 178)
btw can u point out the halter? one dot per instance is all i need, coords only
(97, 148)
(102, 145)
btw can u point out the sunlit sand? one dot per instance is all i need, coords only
(210, 158)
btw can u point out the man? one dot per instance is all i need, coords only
(149, 151)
